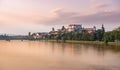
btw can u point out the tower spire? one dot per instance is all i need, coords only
(103, 28)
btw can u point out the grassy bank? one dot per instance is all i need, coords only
(90, 42)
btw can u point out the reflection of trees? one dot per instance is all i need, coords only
(114, 49)
(52, 46)
(63, 47)
(100, 50)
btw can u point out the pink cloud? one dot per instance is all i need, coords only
(62, 16)
(93, 0)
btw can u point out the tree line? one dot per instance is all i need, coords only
(98, 35)
(83, 35)
(7, 37)
(112, 36)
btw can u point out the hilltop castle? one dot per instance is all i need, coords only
(70, 28)
(73, 28)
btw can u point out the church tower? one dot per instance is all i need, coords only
(103, 28)
(53, 29)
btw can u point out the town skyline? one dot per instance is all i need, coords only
(59, 28)
(23, 16)
(56, 29)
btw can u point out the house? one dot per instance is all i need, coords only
(78, 28)
(39, 35)
(90, 30)
(74, 27)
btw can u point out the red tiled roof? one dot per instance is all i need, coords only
(75, 25)
(89, 28)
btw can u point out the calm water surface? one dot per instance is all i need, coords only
(40, 55)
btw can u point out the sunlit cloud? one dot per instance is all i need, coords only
(93, 0)
(20, 13)
(60, 16)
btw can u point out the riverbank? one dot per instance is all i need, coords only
(90, 42)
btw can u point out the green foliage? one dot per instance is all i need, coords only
(83, 35)
(99, 35)
(112, 35)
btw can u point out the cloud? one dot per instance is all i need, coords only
(101, 17)
(117, 2)
(60, 16)
(93, 0)
(101, 5)
(95, 14)
(13, 17)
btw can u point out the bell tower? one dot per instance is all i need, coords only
(103, 28)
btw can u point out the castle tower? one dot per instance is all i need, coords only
(29, 34)
(103, 28)
(94, 27)
(53, 29)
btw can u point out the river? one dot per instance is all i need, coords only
(41, 55)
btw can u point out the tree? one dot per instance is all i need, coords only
(99, 34)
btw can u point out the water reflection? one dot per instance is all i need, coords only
(41, 55)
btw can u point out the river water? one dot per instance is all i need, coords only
(41, 55)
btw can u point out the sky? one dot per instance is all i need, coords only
(23, 16)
